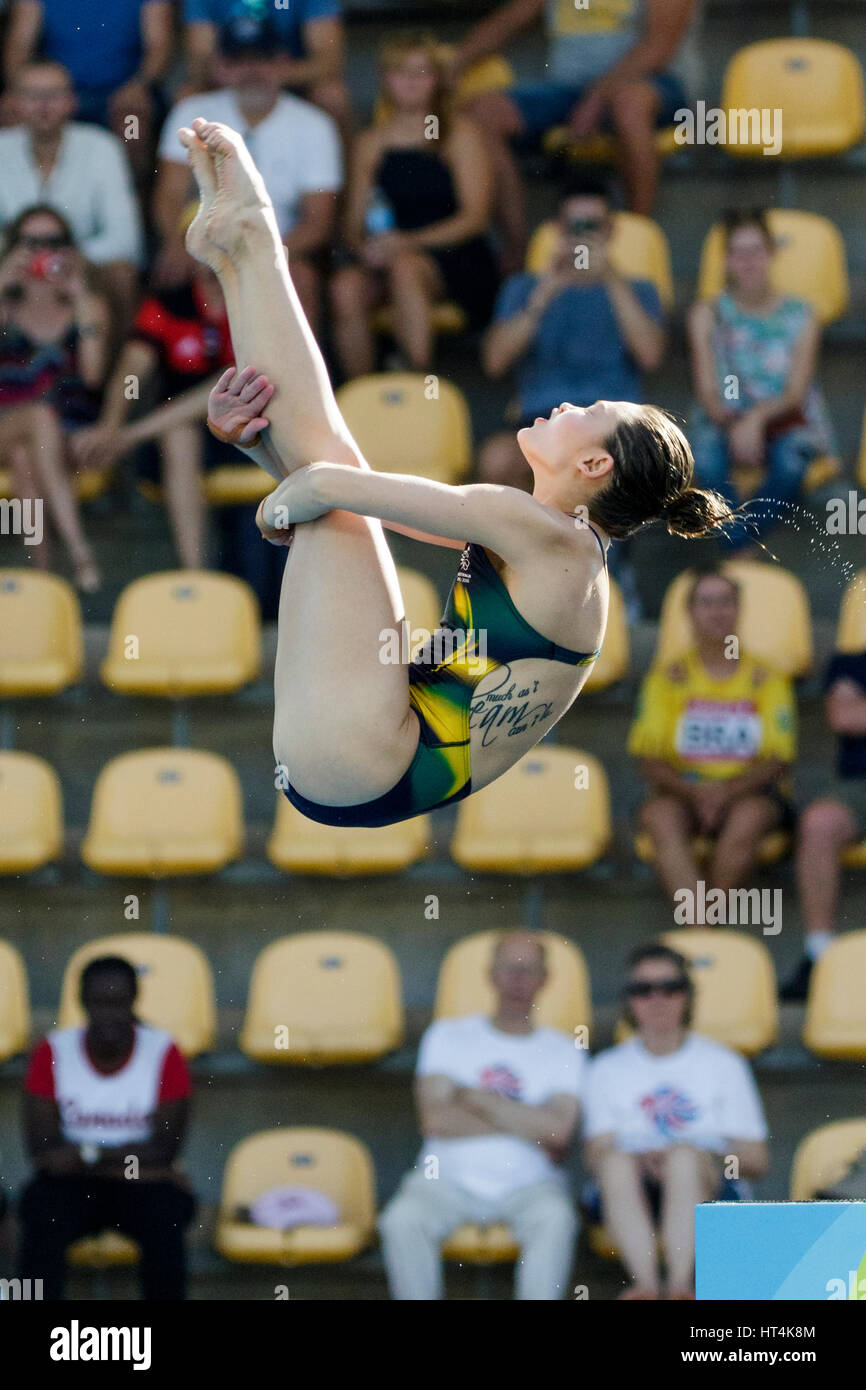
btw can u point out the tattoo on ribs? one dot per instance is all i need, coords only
(508, 707)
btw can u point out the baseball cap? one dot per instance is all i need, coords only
(248, 35)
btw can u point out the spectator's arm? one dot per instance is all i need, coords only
(92, 321)
(157, 41)
(185, 409)
(665, 29)
(473, 185)
(497, 30)
(661, 777)
(25, 26)
(800, 377)
(365, 156)
(315, 226)
(173, 181)
(48, 1151)
(704, 374)
(324, 40)
(440, 1116)
(644, 337)
(201, 49)
(763, 773)
(845, 708)
(508, 340)
(119, 237)
(753, 1156)
(137, 360)
(551, 1124)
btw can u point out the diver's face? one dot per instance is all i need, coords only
(570, 431)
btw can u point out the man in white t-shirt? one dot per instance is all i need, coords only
(667, 1113)
(295, 145)
(498, 1101)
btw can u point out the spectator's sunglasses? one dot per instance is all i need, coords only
(53, 242)
(583, 226)
(643, 989)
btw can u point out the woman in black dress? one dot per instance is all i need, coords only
(416, 216)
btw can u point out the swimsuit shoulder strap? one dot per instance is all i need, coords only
(601, 544)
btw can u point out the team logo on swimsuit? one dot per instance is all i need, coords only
(669, 1111)
(501, 1080)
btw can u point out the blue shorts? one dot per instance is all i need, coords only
(546, 104)
(590, 1198)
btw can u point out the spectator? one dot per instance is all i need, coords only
(80, 171)
(295, 146)
(180, 337)
(311, 40)
(836, 818)
(498, 1100)
(754, 353)
(671, 1116)
(580, 332)
(715, 735)
(116, 54)
(106, 1108)
(53, 357)
(417, 214)
(612, 67)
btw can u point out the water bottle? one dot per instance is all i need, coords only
(380, 214)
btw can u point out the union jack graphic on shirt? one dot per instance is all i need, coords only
(669, 1110)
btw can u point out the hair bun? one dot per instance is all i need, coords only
(695, 512)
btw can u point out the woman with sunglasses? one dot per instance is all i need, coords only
(672, 1119)
(362, 735)
(53, 358)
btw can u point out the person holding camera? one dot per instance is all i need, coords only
(54, 334)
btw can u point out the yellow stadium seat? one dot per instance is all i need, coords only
(14, 1003)
(861, 459)
(399, 428)
(481, 1245)
(183, 633)
(613, 664)
(324, 1159)
(549, 813)
(774, 846)
(301, 846)
(601, 148)
(31, 813)
(638, 249)
(175, 989)
(447, 318)
(835, 1024)
(108, 1250)
(237, 485)
(735, 986)
(824, 1156)
(851, 629)
(817, 86)
(323, 997)
(41, 643)
(564, 1002)
(775, 624)
(87, 485)
(164, 811)
(810, 262)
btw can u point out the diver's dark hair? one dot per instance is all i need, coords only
(108, 965)
(656, 950)
(652, 480)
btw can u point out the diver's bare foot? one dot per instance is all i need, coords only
(233, 197)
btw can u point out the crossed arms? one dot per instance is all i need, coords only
(449, 1111)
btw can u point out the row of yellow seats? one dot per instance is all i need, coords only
(340, 1165)
(180, 633)
(165, 812)
(327, 997)
(816, 84)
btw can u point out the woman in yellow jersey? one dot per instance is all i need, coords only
(715, 735)
(359, 737)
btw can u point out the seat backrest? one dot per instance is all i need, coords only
(735, 986)
(41, 640)
(192, 630)
(317, 980)
(810, 262)
(823, 1156)
(176, 989)
(165, 795)
(851, 629)
(835, 1023)
(816, 84)
(405, 422)
(563, 1002)
(774, 623)
(14, 1002)
(324, 1159)
(31, 812)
